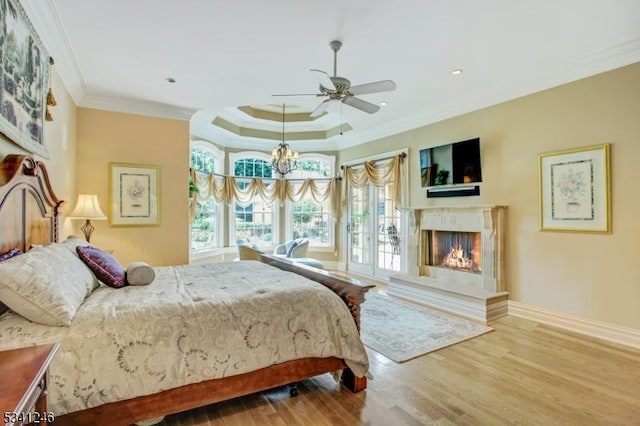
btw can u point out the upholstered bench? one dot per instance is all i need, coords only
(309, 261)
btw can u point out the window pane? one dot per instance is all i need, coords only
(310, 219)
(204, 227)
(254, 221)
(203, 160)
(360, 226)
(388, 226)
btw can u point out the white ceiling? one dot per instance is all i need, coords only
(117, 54)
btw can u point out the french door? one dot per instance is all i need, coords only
(373, 232)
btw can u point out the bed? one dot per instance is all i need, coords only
(197, 335)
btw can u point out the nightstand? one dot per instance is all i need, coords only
(23, 377)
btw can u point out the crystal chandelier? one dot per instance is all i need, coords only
(283, 159)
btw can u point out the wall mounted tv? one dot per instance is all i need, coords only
(450, 170)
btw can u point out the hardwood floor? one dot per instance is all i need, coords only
(522, 373)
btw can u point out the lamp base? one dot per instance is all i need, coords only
(87, 229)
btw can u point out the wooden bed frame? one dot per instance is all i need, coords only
(30, 214)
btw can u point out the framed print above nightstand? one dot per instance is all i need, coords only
(134, 195)
(575, 193)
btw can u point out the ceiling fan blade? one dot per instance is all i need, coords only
(323, 79)
(360, 104)
(299, 94)
(378, 86)
(320, 108)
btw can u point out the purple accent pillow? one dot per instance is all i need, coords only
(10, 253)
(106, 267)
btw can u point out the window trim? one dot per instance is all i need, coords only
(220, 156)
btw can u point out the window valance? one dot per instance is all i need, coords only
(378, 175)
(230, 189)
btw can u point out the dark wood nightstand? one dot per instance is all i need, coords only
(23, 379)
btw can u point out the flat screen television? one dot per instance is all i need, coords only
(451, 164)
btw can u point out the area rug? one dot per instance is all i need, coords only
(401, 330)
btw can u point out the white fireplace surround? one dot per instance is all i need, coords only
(480, 296)
(488, 222)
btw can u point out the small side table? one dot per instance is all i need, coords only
(23, 377)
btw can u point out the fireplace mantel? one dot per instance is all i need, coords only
(443, 287)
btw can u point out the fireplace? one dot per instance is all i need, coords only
(461, 245)
(456, 261)
(454, 250)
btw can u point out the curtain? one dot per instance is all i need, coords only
(378, 176)
(230, 189)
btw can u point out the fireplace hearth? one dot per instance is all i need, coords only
(457, 261)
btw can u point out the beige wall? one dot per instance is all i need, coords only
(592, 276)
(105, 137)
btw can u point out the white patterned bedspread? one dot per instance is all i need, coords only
(193, 323)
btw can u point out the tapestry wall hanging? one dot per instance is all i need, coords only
(23, 80)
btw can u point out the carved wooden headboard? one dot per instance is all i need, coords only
(29, 210)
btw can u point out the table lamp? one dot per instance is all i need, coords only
(87, 207)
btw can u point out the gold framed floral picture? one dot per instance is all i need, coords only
(575, 190)
(134, 195)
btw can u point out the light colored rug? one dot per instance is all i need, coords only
(401, 330)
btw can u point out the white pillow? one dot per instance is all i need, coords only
(46, 285)
(140, 273)
(72, 242)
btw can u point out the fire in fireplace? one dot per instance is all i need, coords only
(456, 250)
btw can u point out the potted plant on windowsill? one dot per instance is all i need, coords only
(193, 190)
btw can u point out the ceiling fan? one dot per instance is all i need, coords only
(339, 89)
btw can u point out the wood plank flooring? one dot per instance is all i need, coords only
(522, 373)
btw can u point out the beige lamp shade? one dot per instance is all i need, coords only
(87, 207)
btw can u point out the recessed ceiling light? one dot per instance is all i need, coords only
(457, 71)
(383, 103)
(170, 79)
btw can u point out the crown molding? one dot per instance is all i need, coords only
(135, 106)
(45, 19)
(225, 138)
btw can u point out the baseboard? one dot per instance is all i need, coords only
(602, 330)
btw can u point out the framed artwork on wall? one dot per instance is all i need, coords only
(134, 195)
(575, 193)
(24, 74)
